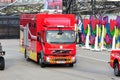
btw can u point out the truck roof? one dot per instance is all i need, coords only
(67, 20)
(49, 20)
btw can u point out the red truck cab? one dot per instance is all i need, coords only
(115, 61)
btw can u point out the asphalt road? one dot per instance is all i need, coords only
(90, 65)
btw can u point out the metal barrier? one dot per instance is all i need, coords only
(9, 27)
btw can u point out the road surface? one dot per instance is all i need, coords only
(90, 65)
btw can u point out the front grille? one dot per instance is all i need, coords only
(61, 52)
(61, 59)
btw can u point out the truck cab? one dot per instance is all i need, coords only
(115, 61)
(57, 39)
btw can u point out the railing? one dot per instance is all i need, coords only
(9, 27)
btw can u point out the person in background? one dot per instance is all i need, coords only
(79, 29)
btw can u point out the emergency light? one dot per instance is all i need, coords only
(60, 26)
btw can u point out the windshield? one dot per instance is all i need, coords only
(60, 37)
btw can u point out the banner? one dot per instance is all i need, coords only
(29, 1)
(6, 1)
(21, 1)
(53, 5)
(113, 0)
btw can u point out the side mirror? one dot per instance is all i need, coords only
(38, 33)
(38, 38)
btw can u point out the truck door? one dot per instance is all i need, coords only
(26, 36)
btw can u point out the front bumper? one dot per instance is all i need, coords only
(60, 60)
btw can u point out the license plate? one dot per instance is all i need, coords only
(60, 62)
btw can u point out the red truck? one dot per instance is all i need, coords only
(48, 38)
(115, 61)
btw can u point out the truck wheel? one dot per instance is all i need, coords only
(26, 55)
(71, 65)
(41, 62)
(116, 69)
(2, 63)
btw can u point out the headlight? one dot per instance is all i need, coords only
(73, 59)
(48, 59)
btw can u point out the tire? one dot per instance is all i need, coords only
(26, 56)
(71, 65)
(41, 61)
(2, 63)
(116, 69)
